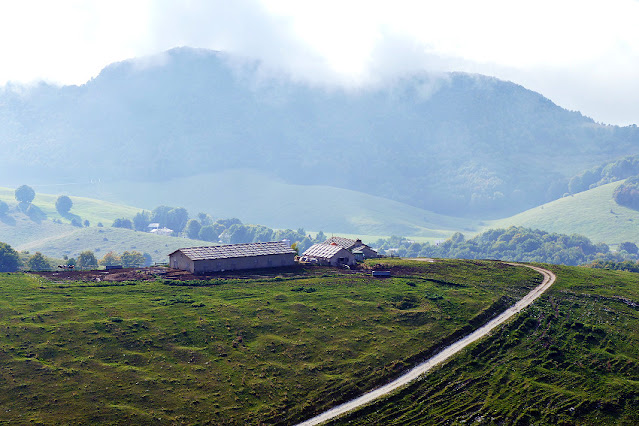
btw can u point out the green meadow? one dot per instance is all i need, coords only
(270, 350)
(571, 358)
(591, 213)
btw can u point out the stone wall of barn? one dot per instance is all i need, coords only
(240, 263)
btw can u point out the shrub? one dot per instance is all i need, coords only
(63, 204)
(627, 194)
(37, 262)
(9, 258)
(25, 194)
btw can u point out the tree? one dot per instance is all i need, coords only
(87, 223)
(227, 223)
(193, 228)
(63, 204)
(176, 219)
(629, 247)
(132, 259)
(208, 233)
(141, 221)
(37, 262)
(4, 208)
(9, 258)
(25, 194)
(87, 260)
(204, 219)
(320, 237)
(160, 215)
(110, 259)
(123, 223)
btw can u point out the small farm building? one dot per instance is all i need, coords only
(200, 260)
(329, 254)
(361, 250)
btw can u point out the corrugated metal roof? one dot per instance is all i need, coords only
(236, 250)
(323, 250)
(346, 243)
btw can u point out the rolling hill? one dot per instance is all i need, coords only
(291, 206)
(278, 348)
(591, 213)
(54, 236)
(261, 198)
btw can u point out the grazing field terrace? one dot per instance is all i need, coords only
(271, 349)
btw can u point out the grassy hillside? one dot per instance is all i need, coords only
(268, 350)
(572, 358)
(592, 213)
(85, 208)
(103, 240)
(60, 239)
(225, 194)
(259, 198)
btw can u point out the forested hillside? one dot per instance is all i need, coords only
(456, 144)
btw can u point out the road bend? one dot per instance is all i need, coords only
(443, 355)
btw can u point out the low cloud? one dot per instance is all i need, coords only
(583, 55)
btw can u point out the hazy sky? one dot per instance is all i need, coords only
(583, 55)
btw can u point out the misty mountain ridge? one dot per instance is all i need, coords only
(459, 144)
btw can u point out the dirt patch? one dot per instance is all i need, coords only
(154, 273)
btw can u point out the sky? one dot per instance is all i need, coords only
(581, 54)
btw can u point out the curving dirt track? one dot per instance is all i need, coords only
(445, 354)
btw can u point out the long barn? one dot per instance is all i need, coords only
(232, 257)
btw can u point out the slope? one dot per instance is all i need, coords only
(451, 143)
(260, 198)
(591, 213)
(571, 358)
(264, 350)
(54, 236)
(91, 209)
(103, 240)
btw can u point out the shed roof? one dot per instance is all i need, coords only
(362, 248)
(323, 250)
(346, 243)
(236, 250)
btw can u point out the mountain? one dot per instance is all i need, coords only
(458, 144)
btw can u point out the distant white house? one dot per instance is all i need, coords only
(162, 231)
(152, 226)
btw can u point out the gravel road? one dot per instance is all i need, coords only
(445, 354)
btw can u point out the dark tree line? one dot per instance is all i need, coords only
(514, 244)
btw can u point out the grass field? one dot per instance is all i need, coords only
(270, 350)
(571, 358)
(103, 240)
(85, 208)
(60, 239)
(592, 213)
